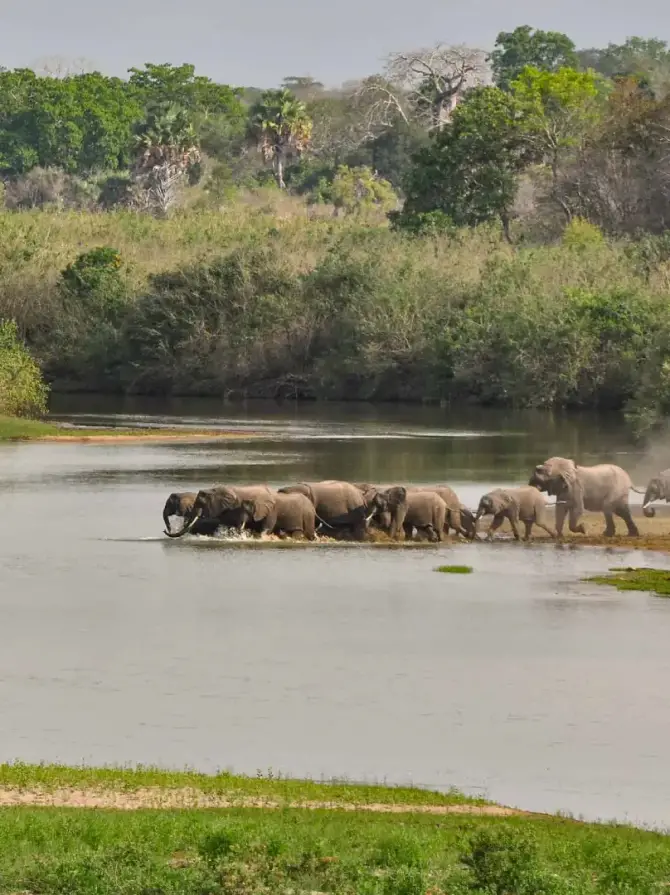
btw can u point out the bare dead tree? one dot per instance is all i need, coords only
(62, 66)
(420, 85)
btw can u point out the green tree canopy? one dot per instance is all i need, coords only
(80, 123)
(525, 46)
(22, 391)
(280, 126)
(468, 170)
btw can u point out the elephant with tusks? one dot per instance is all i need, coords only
(604, 488)
(180, 504)
(223, 504)
(657, 489)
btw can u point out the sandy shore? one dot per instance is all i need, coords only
(127, 437)
(157, 797)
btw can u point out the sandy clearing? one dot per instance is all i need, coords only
(156, 797)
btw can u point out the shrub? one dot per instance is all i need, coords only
(22, 391)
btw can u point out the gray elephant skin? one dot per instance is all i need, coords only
(295, 515)
(223, 504)
(604, 488)
(402, 509)
(338, 505)
(180, 503)
(525, 505)
(458, 517)
(657, 489)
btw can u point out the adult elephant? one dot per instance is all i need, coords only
(180, 504)
(657, 489)
(603, 488)
(295, 515)
(223, 504)
(338, 505)
(525, 505)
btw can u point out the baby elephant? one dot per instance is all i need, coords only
(295, 515)
(526, 504)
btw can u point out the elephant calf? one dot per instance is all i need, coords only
(399, 508)
(180, 503)
(460, 518)
(295, 515)
(516, 504)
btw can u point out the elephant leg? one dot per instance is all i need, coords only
(544, 527)
(561, 513)
(495, 525)
(360, 529)
(528, 525)
(515, 527)
(431, 531)
(408, 531)
(623, 512)
(610, 529)
(575, 525)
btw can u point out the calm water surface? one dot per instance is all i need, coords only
(518, 682)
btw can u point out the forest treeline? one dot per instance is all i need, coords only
(461, 225)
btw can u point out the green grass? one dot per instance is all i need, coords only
(256, 852)
(454, 570)
(271, 786)
(13, 428)
(655, 581)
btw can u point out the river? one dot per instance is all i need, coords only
(518, 682)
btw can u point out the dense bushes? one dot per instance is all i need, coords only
(22, 392)
(262, 304)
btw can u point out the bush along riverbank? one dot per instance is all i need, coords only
(246, 303)
(357, 850)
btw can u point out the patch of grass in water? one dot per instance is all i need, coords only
(655, 581)
(455, 570)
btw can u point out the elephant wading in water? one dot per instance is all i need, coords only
(295, 515)
(657, 489)
(602, 488)
(338, 505)
(180, 503)
(516, 504)
(223, 504)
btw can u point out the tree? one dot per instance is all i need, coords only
(559, 110)
(422, 85)
(468, 172)
(646, 60)
(166, 148)
(79, 123)
(544, 50)
(280, 126)
(304, 87)
(433, 80)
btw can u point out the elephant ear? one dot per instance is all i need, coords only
(370, 494)
(263, 506)
(397, 495)
(573, 485)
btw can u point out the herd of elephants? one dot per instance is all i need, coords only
(351, 510)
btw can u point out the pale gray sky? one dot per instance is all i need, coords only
(258, 42)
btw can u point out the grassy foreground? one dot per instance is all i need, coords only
(656, 581)
(251, 850)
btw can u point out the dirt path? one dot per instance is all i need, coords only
(157, 797)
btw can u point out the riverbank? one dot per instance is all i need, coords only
(13, 429)
(360, 845)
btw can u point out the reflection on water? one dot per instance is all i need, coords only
(517, 681)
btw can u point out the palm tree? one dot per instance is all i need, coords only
(166, 147)
(280, 126)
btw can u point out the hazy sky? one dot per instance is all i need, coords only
(258, 42)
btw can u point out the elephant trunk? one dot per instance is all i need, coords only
(649, 512)
(186, 527)
(166, 520)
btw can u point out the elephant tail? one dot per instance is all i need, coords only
(637, 490)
